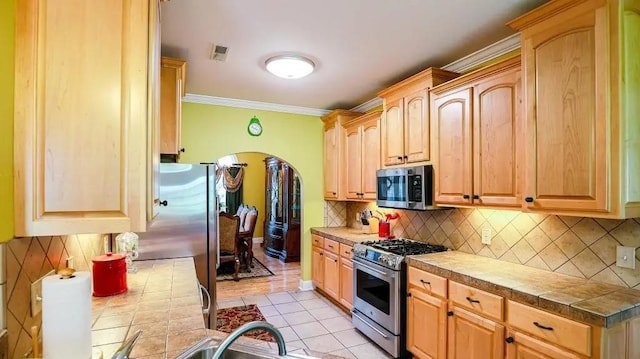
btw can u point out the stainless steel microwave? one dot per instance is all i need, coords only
(405, 188)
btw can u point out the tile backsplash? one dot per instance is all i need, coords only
(30, 258)
(577, 246)
(335, 214)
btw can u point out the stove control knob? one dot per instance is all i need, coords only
(382, 259)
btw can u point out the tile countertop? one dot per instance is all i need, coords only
(164, 301)
(584, 300)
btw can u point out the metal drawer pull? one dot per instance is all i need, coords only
(425, 282)
(473, 300)
(370, 326)
(542, 326)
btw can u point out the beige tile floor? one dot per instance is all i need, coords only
(309, 321)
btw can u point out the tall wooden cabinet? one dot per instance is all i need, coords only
(173, 89)
(282, 211)
(404, 128)
(477, 121)
(333, 160)
(581, 74)
(81, 107)
(362, 155)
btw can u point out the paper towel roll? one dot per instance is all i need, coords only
(66, 317)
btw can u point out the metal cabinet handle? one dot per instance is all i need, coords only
(335, 261)
(425, 282)
(473, 300)
(400, 158)
(475, 196)
(164, 203)
(204, 290)
(450, 313)
(509, 340)
(529, 199)
(182, 150)
(542, 326)
(465, 196)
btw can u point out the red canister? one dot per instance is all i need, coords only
(109, 275)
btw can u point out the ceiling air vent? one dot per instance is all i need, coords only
(219, 53)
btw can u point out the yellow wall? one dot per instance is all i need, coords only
(210, 132)
(253, 190)
(7, 24)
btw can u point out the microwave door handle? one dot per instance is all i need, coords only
(410, 203)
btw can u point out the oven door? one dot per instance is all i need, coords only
(377, 293)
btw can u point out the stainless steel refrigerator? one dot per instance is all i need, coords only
(187, 222)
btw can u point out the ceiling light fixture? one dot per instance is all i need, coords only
(290, 66)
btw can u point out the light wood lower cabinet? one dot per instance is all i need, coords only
(474, 337)
(426, 325)
(346, 282)
(332, 269)
(523, 346)
(332, 275)
(317, 265)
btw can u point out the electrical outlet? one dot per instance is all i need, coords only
(486, 236)
(626, 257)
(70, 262)
(36, 294)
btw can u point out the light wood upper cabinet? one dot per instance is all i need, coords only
(404, 128)
(153, 103)
(581, 74)
(334, 153)
(81, 116)
(362, 153)
(477, 151)
(173, 89)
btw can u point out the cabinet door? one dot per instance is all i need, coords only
(452, 126)
(426, 326)
(317, 267)
(416, 127)
(346, 282)
(153, 102)
(332, 275)
(80, 116)
(566, 79)
(331, 161)
(497, 140)
(353, 155)
(392, 130)
(370, 158)
(474, 337)
(522, 346)
(171, 90)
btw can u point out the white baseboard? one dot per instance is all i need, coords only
(258, 239)
(305, 285)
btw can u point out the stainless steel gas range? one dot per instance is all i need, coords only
(379, 283)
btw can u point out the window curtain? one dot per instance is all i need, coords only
(232, 179)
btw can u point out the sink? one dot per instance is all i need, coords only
(239, 351)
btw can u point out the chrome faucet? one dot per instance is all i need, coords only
(282, 350)
(127, 346)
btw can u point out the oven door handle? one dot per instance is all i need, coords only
(370, 268)
(369, 325)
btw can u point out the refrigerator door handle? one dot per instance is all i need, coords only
(204, 290)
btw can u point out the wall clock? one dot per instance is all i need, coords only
(254, 128)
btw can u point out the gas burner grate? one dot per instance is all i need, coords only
(405, 246)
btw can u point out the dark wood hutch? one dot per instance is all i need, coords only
(282, 211)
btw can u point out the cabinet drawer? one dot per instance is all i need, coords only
(430, 283)
(478, 300)
(317, 241)
(346, 251)
(550, 327)
(331, 245)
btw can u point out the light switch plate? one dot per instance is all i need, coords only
(486, 236)
(36, 294)
(626, 257)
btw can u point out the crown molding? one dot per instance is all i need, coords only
(470, 61)
(364, 107)
(483, 55)
(253, 105)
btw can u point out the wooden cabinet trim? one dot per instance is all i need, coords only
(477, 300)
(427, 282)
(331, 246)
